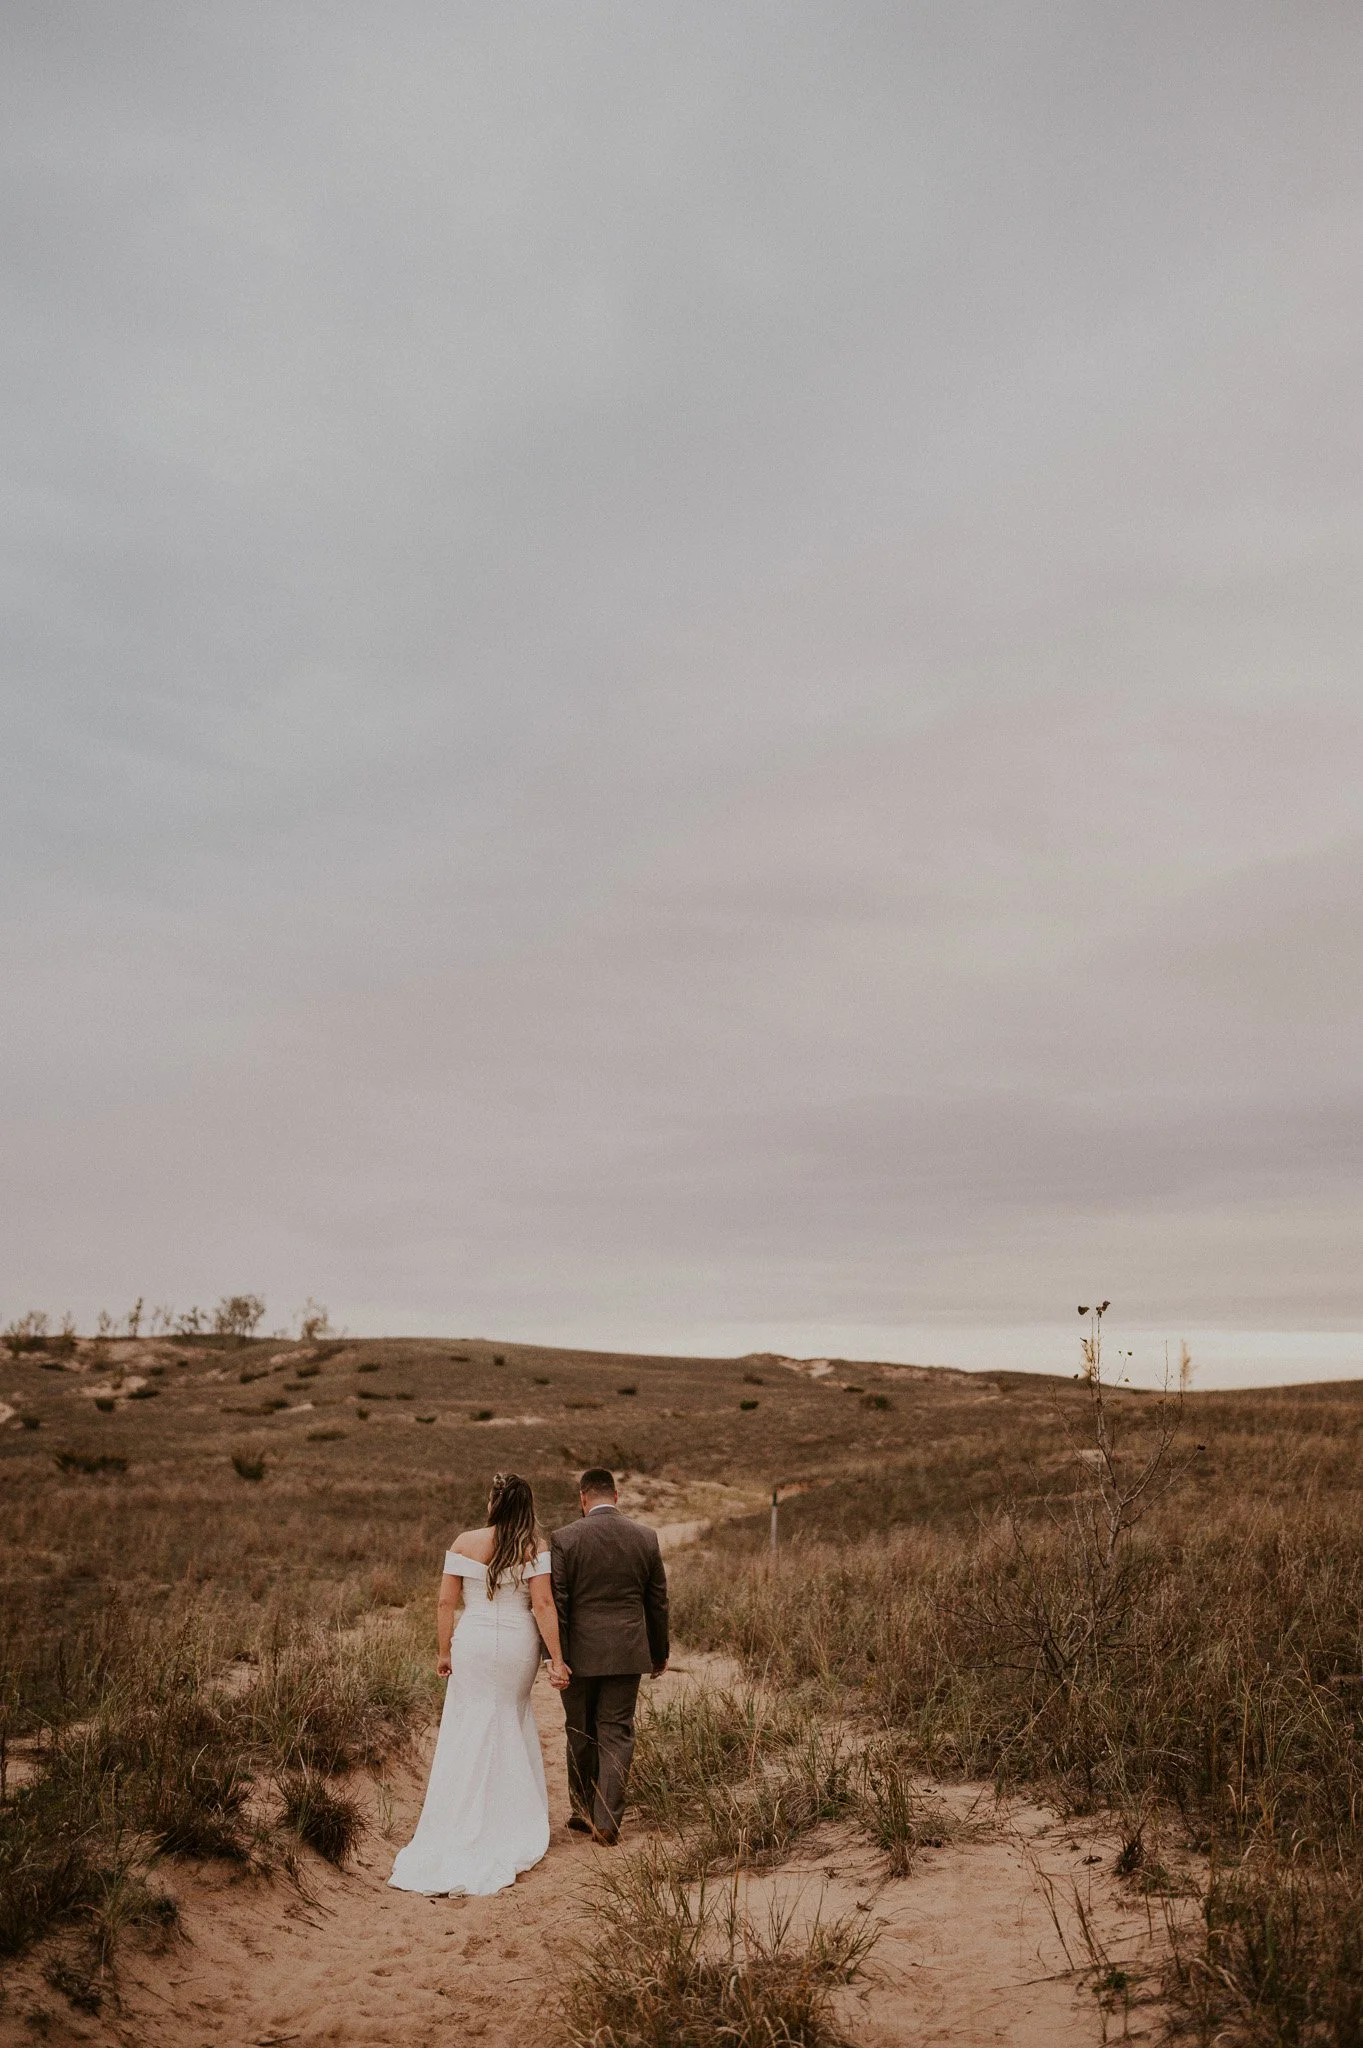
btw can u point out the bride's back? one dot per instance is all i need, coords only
(475, 1543)
(470, 1555)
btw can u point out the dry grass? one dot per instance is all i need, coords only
(1207, 1684)
(932, 1599)
(674, 1964)
(325, 1819)
(691, 1748)
(738, 1779)
(169, 1759)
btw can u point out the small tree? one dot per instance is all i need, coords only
(135, 1317)
(27, 1333)
(237, 1315)
(1069, 1607)
(313, 1322)
(1124, 1487)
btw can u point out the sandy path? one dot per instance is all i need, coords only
(968, 1953)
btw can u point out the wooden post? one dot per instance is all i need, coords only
(774, 1514)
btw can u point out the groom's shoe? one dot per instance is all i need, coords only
(580, 1826)
(606, 1838)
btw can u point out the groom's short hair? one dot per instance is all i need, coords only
(596, 1482)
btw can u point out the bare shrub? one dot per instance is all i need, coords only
(63, 1344)
(238, 1316)
(27, 1333)
(313, 1322)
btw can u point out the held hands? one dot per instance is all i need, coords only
(559, 1674)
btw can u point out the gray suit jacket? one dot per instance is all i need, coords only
(610, 1590)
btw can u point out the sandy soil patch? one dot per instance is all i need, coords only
(667, 1503)
(969, 1951)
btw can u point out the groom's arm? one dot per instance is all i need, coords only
(655, 1610)
(558, 1579)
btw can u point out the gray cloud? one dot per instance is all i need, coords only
(683, 668)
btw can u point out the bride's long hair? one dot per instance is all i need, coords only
(511, 1514)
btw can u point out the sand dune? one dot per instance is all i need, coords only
(968, 1950)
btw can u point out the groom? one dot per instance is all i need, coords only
(611, 1593)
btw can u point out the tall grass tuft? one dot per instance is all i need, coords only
(327, 1821)
(687, 1749)
(757, 1822)
(1281, 1959)
(53, 1869)
(738, 1777)
(670, 1964)
(328, 1702)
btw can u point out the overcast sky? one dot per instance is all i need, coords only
(684, 674)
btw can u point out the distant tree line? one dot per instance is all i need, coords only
(237, 1317)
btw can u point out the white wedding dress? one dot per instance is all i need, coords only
(486, 1813)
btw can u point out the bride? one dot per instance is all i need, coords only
(486, 1812)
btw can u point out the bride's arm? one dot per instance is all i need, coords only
(546, 1620)
(446, 1608)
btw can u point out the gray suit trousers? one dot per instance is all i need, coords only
(600, 1717)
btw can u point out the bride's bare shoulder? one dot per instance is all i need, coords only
(475, 1543)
